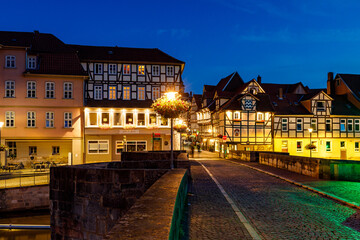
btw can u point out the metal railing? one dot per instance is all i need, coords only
(24, 178)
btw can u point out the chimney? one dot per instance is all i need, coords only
(36, 32)
(280, 93)
(259, 79)
(330, 84)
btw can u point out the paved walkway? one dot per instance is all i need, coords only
(274, 208)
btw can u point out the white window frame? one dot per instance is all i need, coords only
(31, 119)
(326, 150)
(31, 63)
(343, 122)
(284, 123)
(31, 89)
(98, 68)
(98, 92)
(313, 123)
(350, 123)
(49, 119)
(10, 61)
(88, 119)
(170, 71)
(98, 147)
(156, 70)
(136, 144)
(112, 69)
(128, 95)
(50, 90)
(156, 93)
(301, 122)
(112, 92)
(141, 89)
(356, 149)
(9, 119)
(301, 149)
(141, 70)
(237, 116)
(10, 89)
(67, 119)
(126, 69)
(357, 125)
(260, 116)
(68, 90)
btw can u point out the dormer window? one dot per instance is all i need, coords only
(320, 106)
(31, 63)
(248, 104)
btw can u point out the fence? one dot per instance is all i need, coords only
(24, 179)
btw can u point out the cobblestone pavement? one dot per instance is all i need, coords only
(275, 208)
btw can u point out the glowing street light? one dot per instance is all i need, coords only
(171, 95)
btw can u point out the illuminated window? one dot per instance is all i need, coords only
(357, 125)
(126, 93)
(49, 90)
(49, 119)
(98, 68)
(152, 118)
(356, 146)
(105, 118)
(112, 69)
(129, 119)
(141, 93)
(10, 62)
(31, 63)
(98, 146)
(141, 119)
(10, 89)
(67, 120)
(350, 125)
(328, 125)
(31, 119)
(299, 146)
(342, 125)
(126, 69)
(68, 90)
(31, 89)
(155, 93)
(169, 71)
(135, 146)
(112, 92)
(328, 146)
(314, 124)
(284, 124)
(9, 119)
(284, 145)
(141, 70)
(320, 105)
(93, 119)
(117, 119)
(156, 70)
(237, 115)
(98, 92)
(299, 124)
(260, 116)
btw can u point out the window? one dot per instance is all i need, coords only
(135, 146)
(9, 119)
(31, 89)
(156, 70)
(169, 71)
(237, 116)
(299, 124)
(350, 125)
(31, 63)
(164, 121)
(284, 146)
(152, 118)
(320, 106)
(98, 146)
(328, 125)
(105, 118)
(117, 119)
(141, 70)
(299, 146)
(342, 144)
(10, 89)
(129, 118)
(68, 90)
(328, 146)
(155, 93)
(260, 117)
(93, 119)
(357, 125)
(55, 150)
(112, 92)
(248, 104)
(31, 119)
(32, 150)
(112, 69)
(12, 149)
(10, 61)
(126, 93)
(141, 93)
(342, 125)
(284, 124)
(67, 120)
(141, 119)
(356, 147)
(126, 69)
(49, 119)
(98, 92)
(49, 90)
(119, 147)
(98, 68)
(314, 124)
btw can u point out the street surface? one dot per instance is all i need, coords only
(274, 208)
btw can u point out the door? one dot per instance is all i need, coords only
(157, 145)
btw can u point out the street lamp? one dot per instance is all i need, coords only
(310, 131)
(171, 96)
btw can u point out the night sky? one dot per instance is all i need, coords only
(283, 40)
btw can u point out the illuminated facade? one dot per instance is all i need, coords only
(122, 84)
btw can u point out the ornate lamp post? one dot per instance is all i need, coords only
(310, 146)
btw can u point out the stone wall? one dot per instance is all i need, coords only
(249, 156)
(87, 200)
(24, 198)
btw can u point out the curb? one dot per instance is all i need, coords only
(329, 195)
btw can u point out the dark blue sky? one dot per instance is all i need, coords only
(282, 40)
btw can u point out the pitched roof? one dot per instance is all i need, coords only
(342, 106)
(352, 81)
(123, 54)
(289, 105)
(273, 88)
(263, 103)
(197, 98)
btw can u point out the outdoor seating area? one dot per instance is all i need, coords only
(11, 167)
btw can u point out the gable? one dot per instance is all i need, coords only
(253, 87)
